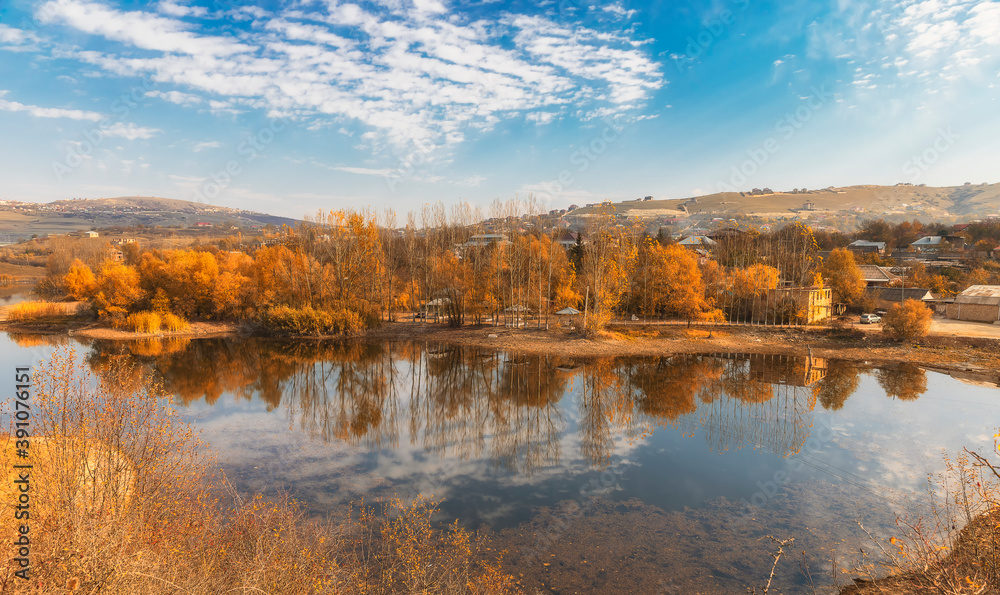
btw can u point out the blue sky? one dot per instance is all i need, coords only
(289, 107)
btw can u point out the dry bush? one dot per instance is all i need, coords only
(173, 322)
(312, 321)
(398, 549)
(930, 555)
(911, 320)
(26, 311)
(116, 480)
(140, 322)
(122, 502)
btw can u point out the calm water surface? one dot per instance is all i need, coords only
(631, 475)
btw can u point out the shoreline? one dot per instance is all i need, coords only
(975, 358)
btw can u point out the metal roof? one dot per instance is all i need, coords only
(980, 294)
(898, 294)
(873, 272)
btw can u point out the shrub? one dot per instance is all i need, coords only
(140, 322)
(173, 322)
(908, 321)
(35, 311)
(311, 321)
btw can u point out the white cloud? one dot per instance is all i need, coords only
(126, 130)
(421, 78)
(141, 29)
(175, 97)
(47, 112)
(179, 10)
(204, 146)
(12, 36)
(618, 9)
(364, 171)
(919, 42)
(130, 131)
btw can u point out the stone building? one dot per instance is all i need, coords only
(979, 303)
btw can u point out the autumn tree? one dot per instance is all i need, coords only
(80, 282)
(118, 289)
(842, 274)
(670, 283)
(907, 321)
(607, 264)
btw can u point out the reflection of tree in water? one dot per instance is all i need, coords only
(841, 382)
(464, 399)
(460, 400)
(904, 381)
(762, 401)
(474, 403)
(335, 391)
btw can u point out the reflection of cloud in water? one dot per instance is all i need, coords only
(497, 435)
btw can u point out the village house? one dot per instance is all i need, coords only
(89, 234)
(814, 304)
(865, 246)
(876, 276)
(936, 243)
(883, 297)
(979, 303)
(567, 239)
(696, 242)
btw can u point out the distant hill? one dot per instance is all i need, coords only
(923, 202)
(22, 219)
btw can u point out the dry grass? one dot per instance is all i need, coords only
(174, 323)
(929, 555)
(27, 311)
(140, 322)
(123, 502)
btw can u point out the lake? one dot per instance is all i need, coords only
(627, 475)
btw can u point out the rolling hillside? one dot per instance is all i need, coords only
(922, 202)
(21, 219)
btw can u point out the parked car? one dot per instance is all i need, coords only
(870, 319)
(418, 315)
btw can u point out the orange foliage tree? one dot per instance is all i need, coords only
(670, 283)
(907, 321)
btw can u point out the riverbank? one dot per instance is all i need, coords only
(969, 357)
(972, 357)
